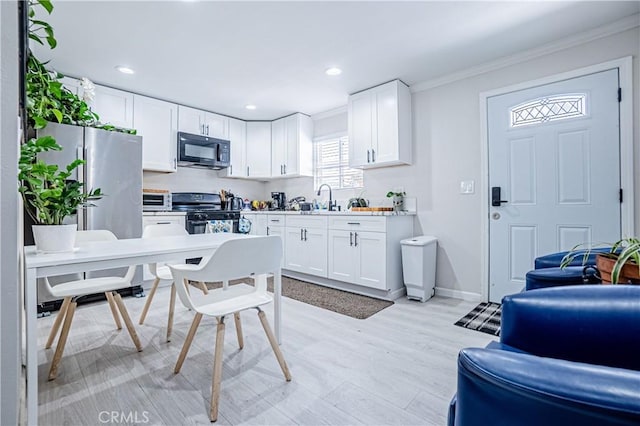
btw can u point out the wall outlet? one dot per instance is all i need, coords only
(467, 187)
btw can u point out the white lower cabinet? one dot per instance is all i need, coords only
(365, 250)
(275, 226)
(358, 258)
(151, 218)
(306, 245)
(258, 223)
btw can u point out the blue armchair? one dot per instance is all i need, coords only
(566, 356)
(547, 272)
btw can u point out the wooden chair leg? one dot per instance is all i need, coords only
(172, 306)
(204, 287)
(152, 293)
(217, 371)
(62, 341)
(56, 324)
(187, 342)
(274, 345)
(114, 311)
(127, 321)
(236, 317)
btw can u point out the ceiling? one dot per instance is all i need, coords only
(220, 56)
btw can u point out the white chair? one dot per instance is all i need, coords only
(233, 259)
(71, 290)
(161, 271)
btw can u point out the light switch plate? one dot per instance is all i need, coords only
(467, 187)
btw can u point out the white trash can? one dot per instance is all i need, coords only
(419, 266)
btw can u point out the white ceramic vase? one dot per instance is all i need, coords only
(54, 238)
(398, 202)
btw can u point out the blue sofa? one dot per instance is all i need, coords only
(566, 356)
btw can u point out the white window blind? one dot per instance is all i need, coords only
(331, 164)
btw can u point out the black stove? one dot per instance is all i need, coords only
(201, 208)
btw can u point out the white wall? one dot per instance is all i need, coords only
(10, 301)
(188, 179)
(446, 132)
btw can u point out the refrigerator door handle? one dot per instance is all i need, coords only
(81, 179)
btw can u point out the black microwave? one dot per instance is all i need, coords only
(203, 151)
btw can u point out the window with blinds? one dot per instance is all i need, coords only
(331, 164)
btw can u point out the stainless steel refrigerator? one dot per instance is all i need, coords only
(113, 164)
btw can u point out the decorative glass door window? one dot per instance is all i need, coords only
(549, 108)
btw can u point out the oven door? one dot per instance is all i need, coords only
(197, 226)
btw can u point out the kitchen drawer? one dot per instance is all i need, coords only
(275, 219)
(307, 221)
(163, 220)
(358, 223)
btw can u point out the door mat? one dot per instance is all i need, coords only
(484, 318)
(342, 302)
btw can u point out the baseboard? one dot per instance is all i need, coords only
(457, 294)
(351, 288)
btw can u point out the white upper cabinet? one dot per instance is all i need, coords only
(238, 138)
(258, 153)
(114, 106)
(198, 122)
(157, 122)
(291, 146)
(380, 126)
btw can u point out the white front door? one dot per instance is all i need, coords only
(554, 157)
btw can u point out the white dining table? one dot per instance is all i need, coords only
(106, 255)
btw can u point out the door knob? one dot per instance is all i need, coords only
(495, 197)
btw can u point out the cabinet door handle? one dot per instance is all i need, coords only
(163, 223)
(267, 230)
(350, 238)
(353, 223)
(281, 169)
(355, 239)
(275, 220)
(231, 169)
(175, 163)
(368, 156)
(202, 129)
(247, 170)
(285, 169)
(373, 155)
(305, 235)
(300, 234)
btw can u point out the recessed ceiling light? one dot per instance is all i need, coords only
(250, 106)
(333, 71)
(125, 70)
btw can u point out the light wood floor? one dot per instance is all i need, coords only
(397, 367)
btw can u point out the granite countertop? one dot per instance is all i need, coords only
(327, 213)
(171, 213)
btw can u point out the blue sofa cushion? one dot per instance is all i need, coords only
(553, 260)
(506, 388)
(597, 324)
(552, 277)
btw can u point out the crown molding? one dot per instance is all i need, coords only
(329, 113)
(624, 24)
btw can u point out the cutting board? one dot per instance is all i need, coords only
(157, 191)
(371, 209)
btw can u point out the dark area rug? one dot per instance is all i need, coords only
(484, 318)
(342, 302)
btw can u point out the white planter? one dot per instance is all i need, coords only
(54, 238)
(398, 202)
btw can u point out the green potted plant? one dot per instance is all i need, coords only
(48, 193)
(50, 196)
(398, 199)
(619, 265)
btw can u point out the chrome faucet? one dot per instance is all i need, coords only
(331, 204)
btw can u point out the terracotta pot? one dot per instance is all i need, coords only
(628, 275)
